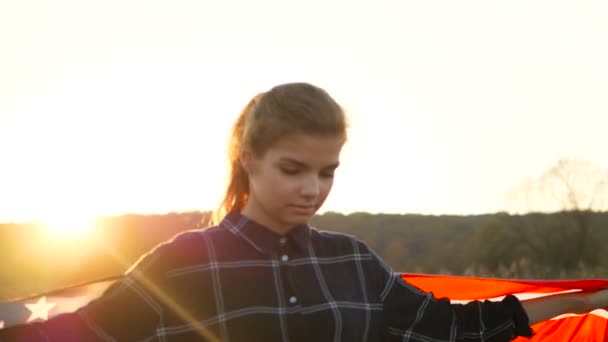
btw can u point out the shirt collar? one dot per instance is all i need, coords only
(262, 238)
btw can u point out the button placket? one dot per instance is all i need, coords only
(284, 257)
(282, 248)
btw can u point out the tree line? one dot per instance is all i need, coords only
(568, 244)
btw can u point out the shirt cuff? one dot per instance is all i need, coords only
(520, 317)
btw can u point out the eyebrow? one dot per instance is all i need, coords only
(300, 164)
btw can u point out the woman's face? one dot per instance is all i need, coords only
(290, 182)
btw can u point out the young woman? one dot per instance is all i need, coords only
(263, 274)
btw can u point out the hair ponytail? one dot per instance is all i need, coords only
(237, 190)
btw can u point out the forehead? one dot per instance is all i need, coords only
(307, 149)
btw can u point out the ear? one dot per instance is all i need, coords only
(247, 161)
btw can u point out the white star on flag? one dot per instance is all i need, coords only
(40, 309)
(45, 306)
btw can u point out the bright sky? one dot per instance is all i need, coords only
(109, 107)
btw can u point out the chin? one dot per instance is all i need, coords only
(298, 219)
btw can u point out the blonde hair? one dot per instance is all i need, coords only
(286, 109)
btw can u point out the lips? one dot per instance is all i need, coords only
(304, 209)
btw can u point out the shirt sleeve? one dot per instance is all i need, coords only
(419, 316)
(129, 310)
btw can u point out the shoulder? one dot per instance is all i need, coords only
(335, 237)
(193, 244)
(193, 238)
(182, 249)
(339, 242)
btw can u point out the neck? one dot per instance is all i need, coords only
(266, 220)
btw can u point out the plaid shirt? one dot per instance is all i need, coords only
(242, 282)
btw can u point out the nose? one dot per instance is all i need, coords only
(311, 187)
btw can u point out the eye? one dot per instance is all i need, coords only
(289, 171)
(327, 175)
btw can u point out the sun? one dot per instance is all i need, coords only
(70, 226)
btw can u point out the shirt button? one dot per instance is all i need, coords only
(285, 257)
(293, 299)
(282, 240)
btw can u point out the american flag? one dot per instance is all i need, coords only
(592, 327)
(41, 307)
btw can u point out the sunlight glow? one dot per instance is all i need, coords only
(70, 226)
(135, 117)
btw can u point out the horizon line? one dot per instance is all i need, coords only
(349, 213)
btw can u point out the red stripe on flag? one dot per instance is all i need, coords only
(468, 288)
(589, 328)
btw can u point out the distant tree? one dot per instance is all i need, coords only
(571, 185)
(396, 254)
(572, 189)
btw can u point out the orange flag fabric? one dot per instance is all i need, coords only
(592, 327)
